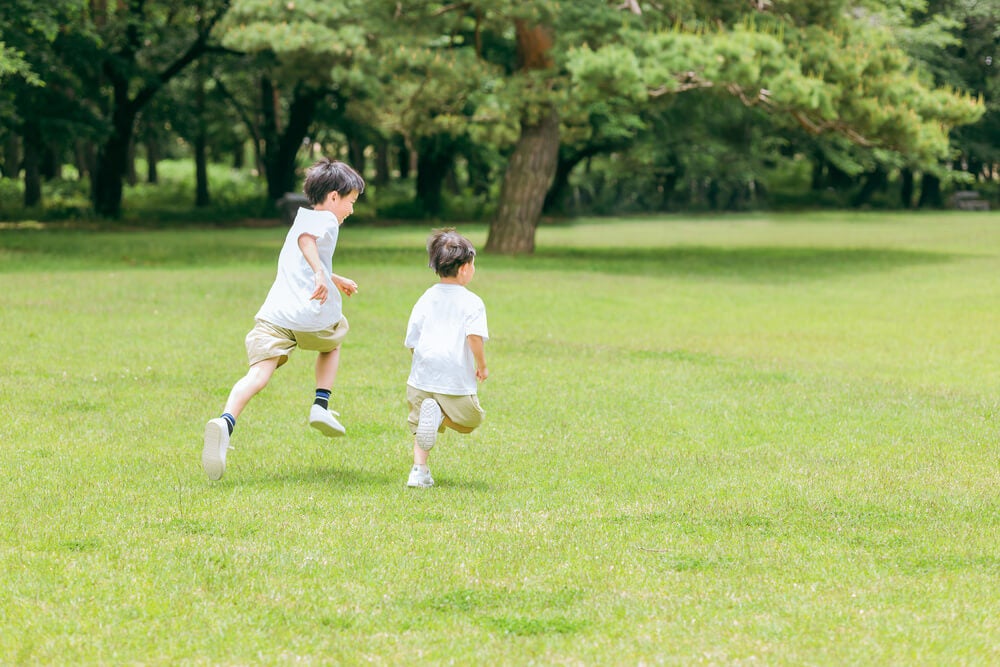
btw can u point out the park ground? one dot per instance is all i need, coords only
(716, 440)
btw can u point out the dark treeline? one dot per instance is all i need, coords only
(507, 110)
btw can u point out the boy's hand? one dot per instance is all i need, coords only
(476, 345)
(345, 285)
(322, 291)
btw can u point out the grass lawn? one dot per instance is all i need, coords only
(733, 440)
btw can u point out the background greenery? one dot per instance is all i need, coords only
(621, 107)
(709, 441)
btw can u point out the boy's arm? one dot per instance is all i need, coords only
(345, 285)
(479, 354)
(307, 244)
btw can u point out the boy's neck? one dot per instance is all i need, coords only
(450, 280)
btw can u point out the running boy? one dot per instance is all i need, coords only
(302, 309)
(445, 334)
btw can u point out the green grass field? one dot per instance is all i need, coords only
(768, 440)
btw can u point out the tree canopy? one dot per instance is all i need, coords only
(676, 94)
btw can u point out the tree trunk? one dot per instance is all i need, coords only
(131, 177)
(434, 159)
(11, 157)
(112, 159)
(479, 171)
(403, 158)
(238, 156)
(875, 181)
(85, 159)
(906, 188)
(51, 167)
(533, 163)
(930, 192)
(818, 180)
(525, 184)
(201, 198)
(381, 162)
(281, 147)
(356, 153)
(555, 198)
(152, 158)
(32, 136)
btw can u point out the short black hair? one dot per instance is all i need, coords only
(326, 176)
(449, 251)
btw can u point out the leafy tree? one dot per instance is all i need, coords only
(140, 47)
(307, 54)
(25, 27)
(38, 100)
(115, 58)
(433, 92)
(957, 42)
(810, 65)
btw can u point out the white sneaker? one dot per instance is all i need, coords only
(420, 479)
(213, 454)
(430, 421)
(325, 421)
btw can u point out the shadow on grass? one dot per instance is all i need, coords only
(30, 250)
(757, 263)
(327, 475)
(33, 250)
(461, 483)
(525, 612)
(333, 477)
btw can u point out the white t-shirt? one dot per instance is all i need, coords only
(288, 304)
(442, 359)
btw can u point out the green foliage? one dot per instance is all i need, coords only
(850, 79)
(431, 91)
(27, 30)
(859, 85)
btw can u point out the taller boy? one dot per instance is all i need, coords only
(302, 308)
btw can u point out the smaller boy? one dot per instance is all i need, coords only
(302, 309)
(445, 334)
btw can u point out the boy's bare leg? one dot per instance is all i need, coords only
(325, 419)
(250, 385)
(419, 455)
(420, 475)
(217, 431)
(327, 364)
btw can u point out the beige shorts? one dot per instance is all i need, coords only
(463, 411)
(267, 341)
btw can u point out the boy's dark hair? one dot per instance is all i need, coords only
(327, 176)
(448, 251)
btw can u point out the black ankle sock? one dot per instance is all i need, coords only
(323, 398)
(230, 421)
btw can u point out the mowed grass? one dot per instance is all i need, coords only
(768, 440)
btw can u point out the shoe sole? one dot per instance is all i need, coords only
(426, 435)
(418, 485)
(211, 459)
(328, 430)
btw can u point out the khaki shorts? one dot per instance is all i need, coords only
(267, 341)
(463, 411)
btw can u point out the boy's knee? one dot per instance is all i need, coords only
(260, 373)
(461, 428)
(468, 423)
